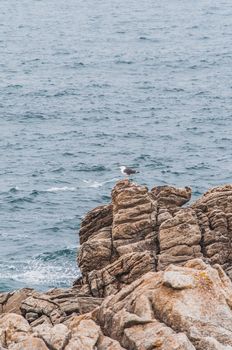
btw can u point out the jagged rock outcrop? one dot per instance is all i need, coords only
(50, 308)
(127, 233)
(179, 308)
(214, 211)
(155, 275)
(79, 333)
(184, 307)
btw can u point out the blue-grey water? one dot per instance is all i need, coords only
(86, 86)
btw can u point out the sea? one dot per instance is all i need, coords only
(87, 86)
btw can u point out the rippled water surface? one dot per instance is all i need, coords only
(89, 85)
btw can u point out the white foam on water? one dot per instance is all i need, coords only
(57, 189)
(93, 184)
(112, 180)
(13, 235)
(11, 189)
(39, 273)
(96, 184)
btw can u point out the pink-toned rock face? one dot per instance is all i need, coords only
(148, 231)
(169, 196)
(179, 238)
(13, 329)
(153, 224)
(87, 335)
(184, 308)
(14, 300)
(114, 256)
(179, 308)
(94, 221)
(56, 337)
(214, 211)
(149, 279)
(30, 343)
(133, 213)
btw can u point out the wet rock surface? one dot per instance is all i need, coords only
(156, 274)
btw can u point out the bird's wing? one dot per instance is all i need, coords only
(130, 171)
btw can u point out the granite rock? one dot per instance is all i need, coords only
(156, 274)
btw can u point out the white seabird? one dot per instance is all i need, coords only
(128, 171)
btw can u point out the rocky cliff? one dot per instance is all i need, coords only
(156, 274)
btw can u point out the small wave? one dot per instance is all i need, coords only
(34, 193)
(14, 86)
(112, 180)
(14, 189)
(175, 89)
(96, 184)
(74, 65)
(85, 168)
(93, 184)
(106, 198)
(68, 154)
(59, 170)
(124, 62)
(60, 189)
(62, 253)
(145, 38)
(21, 200)
(33, 116)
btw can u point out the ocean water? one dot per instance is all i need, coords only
(86, 86)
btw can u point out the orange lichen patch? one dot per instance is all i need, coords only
(203, 280)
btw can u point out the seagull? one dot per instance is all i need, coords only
(127, 171)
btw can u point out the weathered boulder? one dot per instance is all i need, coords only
(13, 329)
(171, 197)
(40, 304)
(12, 301)
(56, 337)
(106, 343)
(30, 343)
(180, 308)
(87, 335)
